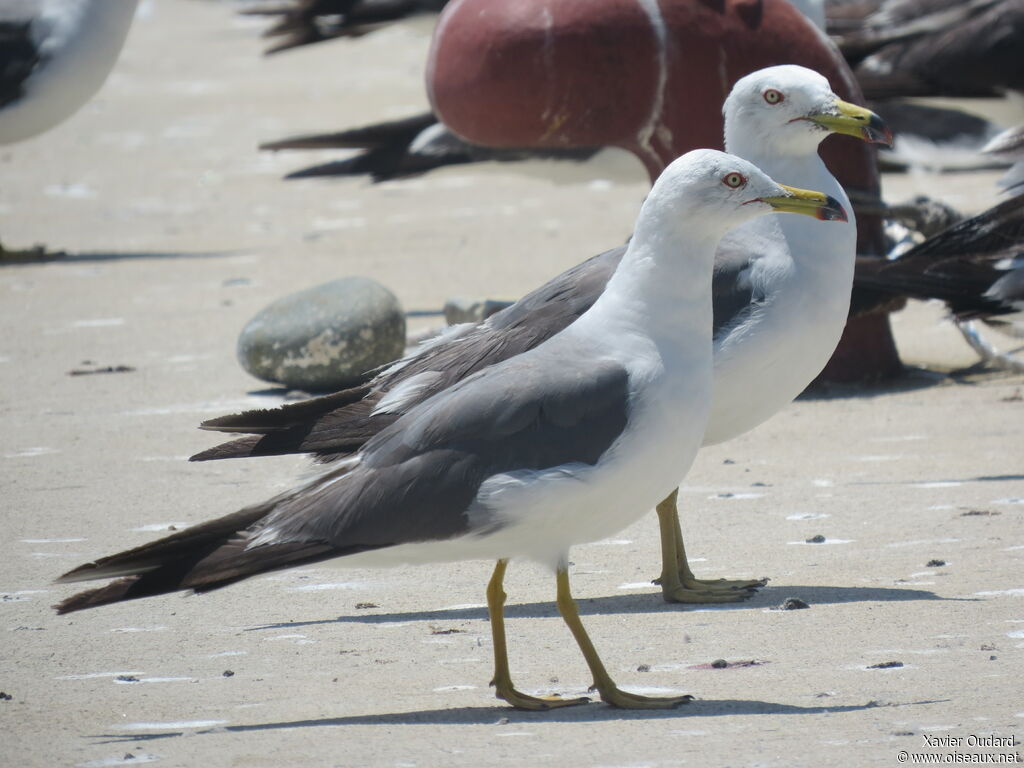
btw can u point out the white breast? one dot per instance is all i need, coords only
(764, 364)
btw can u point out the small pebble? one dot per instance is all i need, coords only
(886, 665)
(644, 668)
(452, 631)
(228, 673)
(362, 606)
(5, 696)
(720, 664)
(818, 539)
(104, 369)
(793, 604)
(935, 563)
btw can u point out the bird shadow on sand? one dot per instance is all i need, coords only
(955, 480)
(501, 716)
(768, 598)
(911, 380)
(43, 256)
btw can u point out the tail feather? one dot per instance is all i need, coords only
(387, 134)
(156, 554)
(320, 442)
(202, 570)
(205, 557)
(311, 21)
(325, 426)
(385, 164)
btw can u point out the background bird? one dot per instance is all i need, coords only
(54, 56)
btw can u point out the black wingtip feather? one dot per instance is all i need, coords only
(262, 421)
(93, 598)
(205, 570)
(233, 449)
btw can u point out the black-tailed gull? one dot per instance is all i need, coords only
(568, 442)
(781, 292)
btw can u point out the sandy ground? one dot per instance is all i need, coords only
(178, 230)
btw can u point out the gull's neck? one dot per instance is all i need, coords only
(800, 166)
(662, 287)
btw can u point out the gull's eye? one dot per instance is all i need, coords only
(773, 96)
(734, 180)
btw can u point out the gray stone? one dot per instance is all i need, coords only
(462, 310)
(324, 338)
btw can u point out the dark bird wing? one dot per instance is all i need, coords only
(953, 48)
(948, 129)
(408, 147)
(303, 22)
(19, 57)
(962, 266)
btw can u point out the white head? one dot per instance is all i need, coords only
(788, 110)
(706, 192)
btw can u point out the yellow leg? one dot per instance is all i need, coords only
(502, 681)
(678, 584)
(603, 683)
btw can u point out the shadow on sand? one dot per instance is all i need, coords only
(593, 712)
(769, 597)
(42, 256)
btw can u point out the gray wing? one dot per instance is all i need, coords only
(735, 294)
(416, 482)
(529, 322)
(419, 476)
